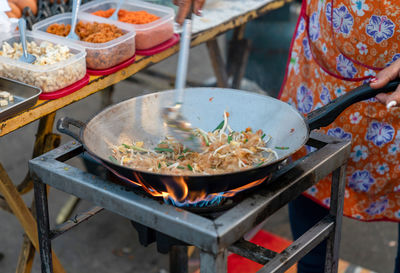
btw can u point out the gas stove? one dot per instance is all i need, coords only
(214, 230)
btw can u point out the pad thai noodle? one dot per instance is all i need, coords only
(225, 151)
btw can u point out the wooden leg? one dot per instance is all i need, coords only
(238, 55)
(238, 34)
(106, 96)
(25, 260)
(23, 214)
(240, 62)
(4, 205)
(27, 254)
(217, 63)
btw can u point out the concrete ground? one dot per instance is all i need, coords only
(107, 242)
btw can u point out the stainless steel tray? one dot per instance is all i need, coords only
(25, 96)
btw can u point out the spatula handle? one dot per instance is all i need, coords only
(120, 2)
(75, 9)
(22, 34)
(183, 58)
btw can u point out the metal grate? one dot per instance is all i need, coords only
(215, 235)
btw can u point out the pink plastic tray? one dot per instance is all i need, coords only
(161, 47)
(66, 90)
(113, 69)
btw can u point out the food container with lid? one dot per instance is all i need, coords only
(48, 77)
(147, 35)
(99, 55)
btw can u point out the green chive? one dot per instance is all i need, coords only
(245, 141)
(133, 147)
(185, 151)
(160, 150)
(159, 165)
(180, 157)
(205, 138)
(282, 148)
(180, 167)
(229, 139)
(169, 164)
(219, 127)
(113, 159)
(190, 167)
(259, 164)
(262, 137)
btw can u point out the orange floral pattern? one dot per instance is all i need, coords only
(337, 46)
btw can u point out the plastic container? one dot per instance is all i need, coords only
(147, 35)
(50, 77)
(99, 55)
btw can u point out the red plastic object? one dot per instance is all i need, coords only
(161, 47)
(238, 264)
(113, 69)
(66, 90)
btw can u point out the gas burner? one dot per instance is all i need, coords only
(213, 203)
(213, 230)
(213, 209)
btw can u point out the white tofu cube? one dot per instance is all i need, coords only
(4, 95)
(3, 103)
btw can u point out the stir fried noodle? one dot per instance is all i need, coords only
(225, 151)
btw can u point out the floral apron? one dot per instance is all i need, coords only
(336, 47)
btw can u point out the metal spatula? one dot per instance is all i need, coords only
(26, 57)
(114, 16)
(75, 8)
(178, 126)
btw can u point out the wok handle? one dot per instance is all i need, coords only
(64, 123)
(327, 114)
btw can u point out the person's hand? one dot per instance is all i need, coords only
(184, 8)
(382, 78)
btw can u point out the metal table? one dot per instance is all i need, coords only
(214, 237)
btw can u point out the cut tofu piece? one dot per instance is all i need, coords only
(10, 98)
(4, 95)
(3, 103)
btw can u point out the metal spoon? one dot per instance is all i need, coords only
(75, 7)
(178, 126)
(26, 57)
(114, 16)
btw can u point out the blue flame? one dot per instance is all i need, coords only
(211, 200)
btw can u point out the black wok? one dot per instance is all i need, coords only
(139, 119)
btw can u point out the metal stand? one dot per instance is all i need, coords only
(213, 236)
